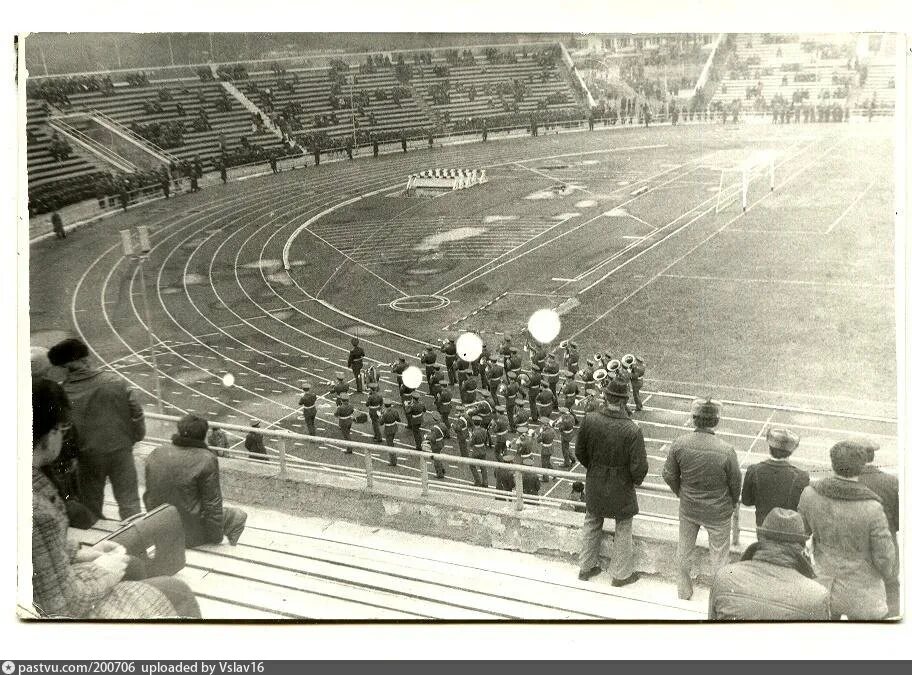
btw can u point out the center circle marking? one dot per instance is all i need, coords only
(419, 303)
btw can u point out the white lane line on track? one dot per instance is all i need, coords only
(689, 251)
(849, 208)
(794, 282)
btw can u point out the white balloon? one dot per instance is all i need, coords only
(412, 376)
(228, 379)
(468, 346)
(544, 325)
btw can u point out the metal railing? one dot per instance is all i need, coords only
(90, 144)
(144, 143)
(285, 460)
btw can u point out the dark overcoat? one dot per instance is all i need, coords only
(610, 445)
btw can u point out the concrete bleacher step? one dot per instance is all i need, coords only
(306, 568)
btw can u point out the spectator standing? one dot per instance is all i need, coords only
(185, 474)
(57, 223)
(356, 363)
(775, 481)
(84, 583)
(851, 536)
(774, 581)
(254, 443)
(703, 472)
(885, 486)
(108, 421)
(611, 447)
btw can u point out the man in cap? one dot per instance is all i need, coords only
(481, 365)
(511, 392)
(356, 362)
(463, 372)
(185, 474)
(429, 359)
(636, 369)
(546, 440)
(530, 481)
(611, 447)
(702, 470)
(374, 409)
(775, 481)
(436, 383)
(565, 425)
(479, 438)
(551, 374)
(886, 486)
(571, 360)
(467, 390)
(345, 414)
(852, 541)
(546, 402)
(443, 401)
(497, 430)
(505, 349)
(434, 440)
(253, 443)
(390, 421)
(340, 387)
(308, 403)
(774, 581)
(108, 420)
(415, 416)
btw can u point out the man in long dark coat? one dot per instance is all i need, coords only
(611, 447)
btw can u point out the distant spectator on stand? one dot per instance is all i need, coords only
(775, 482)
(108, 420)
(702, 470)
(852, 543)
(774, 581)
(185, 474)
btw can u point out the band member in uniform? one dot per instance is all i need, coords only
(530, 481)
(515, 359)
(444, 404)
(636, 369)
(569, 389)
(345, 413)
(374, 409)
(308, 403)
(415, 416)
(397, 369)
(498, 430)
(565, 425)
(546, 441)
(339, 388)
(449, 357)
(551, 373)
(434, 438)
(463, 371)
(356, 363)
(545, 402)
(478, 439)
(506, 347)
(503, 475)
(390, 420)
(429, 359)
(461, 427)
(534, 387)
(511, 392)
(481, 365)
(467, 391)
(494, 376)
(586, 375)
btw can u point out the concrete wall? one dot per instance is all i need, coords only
(479, 520)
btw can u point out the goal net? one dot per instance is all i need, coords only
(756, 173)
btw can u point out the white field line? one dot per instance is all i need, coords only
(849, 208)
(796, 282)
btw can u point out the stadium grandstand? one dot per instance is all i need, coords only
(403, 273)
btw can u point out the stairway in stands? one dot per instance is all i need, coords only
(254, 109)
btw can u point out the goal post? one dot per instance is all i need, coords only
(735, 182)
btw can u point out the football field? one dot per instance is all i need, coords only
(784, 310)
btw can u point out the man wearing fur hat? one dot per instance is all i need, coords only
(185, 474)
(702, 470)
(108, 420)
(774, 581)
(853, 545)
(611, 447)
(775, 481)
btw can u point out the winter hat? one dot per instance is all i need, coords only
(616, 389)
(49, 406)
(779, 438)
(783, 525)
(192, 427)
(848, 458)
(71, 349)
(705, 412)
